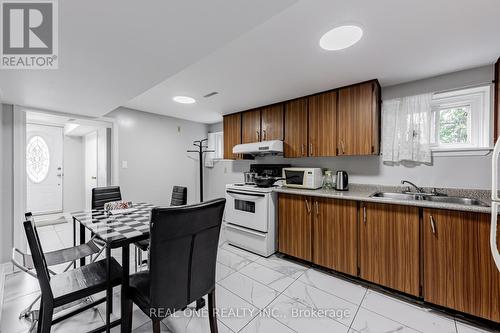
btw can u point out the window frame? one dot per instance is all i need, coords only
(479, 100)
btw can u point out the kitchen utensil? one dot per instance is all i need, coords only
(265, 181)
(250, 177)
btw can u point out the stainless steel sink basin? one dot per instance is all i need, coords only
(429, 197)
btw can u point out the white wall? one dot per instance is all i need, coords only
(155, 152)
(446, 171)
(74, 163)
(6, 182)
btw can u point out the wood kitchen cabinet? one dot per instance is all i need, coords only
(295, 143)
(335, 235)
(459, 271)
(232, 134)
(322, 127)
(496, 127)
(294, 226)
(272, 122)
(389, 246)
(250, 126)
(358, 119)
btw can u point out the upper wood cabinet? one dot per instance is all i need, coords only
(389, 246)
(262, 124)
(295, 143)
(250, 126)
(322, 127)
(335, 234)
(232, 134)
(272, 122)
(358, 119)
(459, 271)
(294, 226)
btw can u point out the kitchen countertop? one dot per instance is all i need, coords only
(362, 192)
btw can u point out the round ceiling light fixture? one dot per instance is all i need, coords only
(340, 38)
(184, 99)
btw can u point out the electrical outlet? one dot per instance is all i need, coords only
(124, 164)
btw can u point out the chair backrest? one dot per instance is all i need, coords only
(179, 196)
(38, 257)
(183, 253)
(102, 195)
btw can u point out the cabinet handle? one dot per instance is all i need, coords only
(316, 204)
(258, 135)
(302, 150)
(342, 145)
(265, 135)
(310, 149)
(308, 206)
(433, 224)
(364, 214)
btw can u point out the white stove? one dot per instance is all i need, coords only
(250, 218)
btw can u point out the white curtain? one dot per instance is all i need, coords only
(406, 129)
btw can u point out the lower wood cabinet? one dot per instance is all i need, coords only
(389, 246)
(294, 226)
(459, 271)
(335, 234)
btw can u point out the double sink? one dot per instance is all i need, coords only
(429, 197)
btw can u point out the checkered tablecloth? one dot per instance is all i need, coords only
(117, 227)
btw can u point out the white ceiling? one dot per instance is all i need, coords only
(111, 51)
(252, 52)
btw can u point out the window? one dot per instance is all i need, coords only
(37, 159)
(461, 119)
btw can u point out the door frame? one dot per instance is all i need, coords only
(19, 165)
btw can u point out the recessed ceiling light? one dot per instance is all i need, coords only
(341, 37)
(184, 99)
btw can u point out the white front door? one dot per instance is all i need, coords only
(90, 166)
(44, 161)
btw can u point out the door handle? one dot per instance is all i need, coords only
(59, 175)
(433, 224)
(93, 177)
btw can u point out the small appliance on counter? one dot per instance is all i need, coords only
(249, 177)
(306, 178)
(342, 181)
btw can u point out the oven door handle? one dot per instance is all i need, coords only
(245, 195)
(249, 231)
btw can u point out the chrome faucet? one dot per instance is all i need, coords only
(418, 189)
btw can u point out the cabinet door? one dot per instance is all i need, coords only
(459, 271)
(335, 234)
(250, 122)
(232, 134)
(272, 122)
(295, 144)
(358, 112)
(389, 246)
(294, 226)
(496, 129)
(323, 124)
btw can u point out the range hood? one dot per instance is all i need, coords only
(260, 148)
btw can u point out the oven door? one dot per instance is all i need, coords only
(247, 209)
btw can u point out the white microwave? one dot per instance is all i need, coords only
(308, 178)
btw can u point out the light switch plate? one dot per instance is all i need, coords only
(124, 164)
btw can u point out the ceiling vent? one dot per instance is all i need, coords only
(213, 93)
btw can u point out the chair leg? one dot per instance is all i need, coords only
(45, 317)
(156, 325)
(135, 257)
(127, 316)
(211, 312)
(140, 259)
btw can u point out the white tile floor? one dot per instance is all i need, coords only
(253, 295)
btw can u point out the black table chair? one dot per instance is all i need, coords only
(183, 253)
(102, 195)
(70, 255)
(179, 198)
(67, 287)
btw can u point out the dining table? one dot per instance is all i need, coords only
(114, 230)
